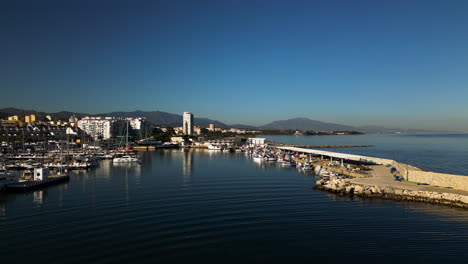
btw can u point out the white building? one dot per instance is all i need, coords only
(101, 127)
(139, 126)
(188, 123)
(253, 142)
(109, 127)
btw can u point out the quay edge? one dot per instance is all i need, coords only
(347, 188)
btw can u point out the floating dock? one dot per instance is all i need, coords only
(28, 185)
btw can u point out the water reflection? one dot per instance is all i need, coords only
(105, 169)
(39, 197)
(2, 206)
(187, 166)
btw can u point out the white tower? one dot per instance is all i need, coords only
(188, 123)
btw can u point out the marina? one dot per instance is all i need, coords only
(178, 200)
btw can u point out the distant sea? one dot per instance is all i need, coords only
(446, 153)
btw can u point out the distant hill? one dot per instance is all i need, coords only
(158, 117)
(306, 124)
(168, 119)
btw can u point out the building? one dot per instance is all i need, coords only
(188, 123)
(110, 127)
(197, 130)
(212, 128)
(101, 127)
(139, 126)
(73, 119)
(253, 142)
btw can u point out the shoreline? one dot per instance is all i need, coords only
(346, 187)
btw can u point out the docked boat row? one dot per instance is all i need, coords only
(302, 162)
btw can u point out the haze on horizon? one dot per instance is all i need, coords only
(387, 63)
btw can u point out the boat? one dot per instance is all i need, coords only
(125, 158)
(151, 141)
(214, 147)
(257, 157)
(38, 177)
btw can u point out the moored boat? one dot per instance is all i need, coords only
(214, 147)
(125, 158)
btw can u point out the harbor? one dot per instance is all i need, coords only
(370, 177)
(185, 197)
(342, 173)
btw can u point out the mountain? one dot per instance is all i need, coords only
(240, 126)
(158, 117)
(63, 115)
(306, 124)
(168, 119)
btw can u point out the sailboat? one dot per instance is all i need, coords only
(126, 156)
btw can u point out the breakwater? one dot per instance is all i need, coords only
(347, 187)
(316, 146)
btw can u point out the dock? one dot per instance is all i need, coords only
(29, 185)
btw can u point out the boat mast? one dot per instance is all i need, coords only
(126, 136)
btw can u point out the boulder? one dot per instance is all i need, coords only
(358, 189)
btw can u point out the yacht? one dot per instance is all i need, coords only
(257, 157)
(214, 147)
(125, 158)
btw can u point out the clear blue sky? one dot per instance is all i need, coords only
(394, 63)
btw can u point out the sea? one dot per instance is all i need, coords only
(194, 206)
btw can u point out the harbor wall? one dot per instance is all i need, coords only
(459, 182)
(345, 187)
(418, 175)
(415, 174)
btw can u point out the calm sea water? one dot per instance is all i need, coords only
(446, 153)
(192, 206)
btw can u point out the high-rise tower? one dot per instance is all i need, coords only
(188, 123)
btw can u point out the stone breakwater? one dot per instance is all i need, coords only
(345, 187)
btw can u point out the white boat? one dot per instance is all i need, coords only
(214, 147)
(257, 157)
(125, 158)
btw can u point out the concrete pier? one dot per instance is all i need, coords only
(380, 180)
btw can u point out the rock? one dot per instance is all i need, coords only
(377, 190)
(358, 189)
(349, 189)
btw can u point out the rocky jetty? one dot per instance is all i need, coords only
(345, 187)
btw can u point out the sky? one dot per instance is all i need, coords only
(371, 62)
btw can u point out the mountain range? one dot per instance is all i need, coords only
(175, 120)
